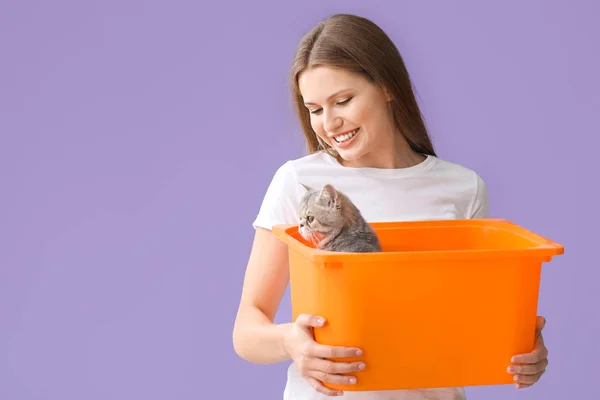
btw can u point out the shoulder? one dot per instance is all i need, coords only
(315, 160)
(280, 202)
(468, 184)
(453, 169)
(287, 175)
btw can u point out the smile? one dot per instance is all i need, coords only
(346, 136)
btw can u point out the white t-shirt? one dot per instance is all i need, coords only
(433, 189)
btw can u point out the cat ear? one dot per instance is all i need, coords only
(307, 188)
(329, 192)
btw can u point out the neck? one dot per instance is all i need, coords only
(323, 240)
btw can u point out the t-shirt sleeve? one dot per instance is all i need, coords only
(480, 207)
(279, 205)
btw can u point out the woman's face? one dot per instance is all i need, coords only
(347, 111)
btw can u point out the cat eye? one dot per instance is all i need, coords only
(310, 218)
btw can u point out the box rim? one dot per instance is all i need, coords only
(545, 247)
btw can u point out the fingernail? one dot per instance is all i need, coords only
(516, 378)
(352, 380)
(511, 370)
(320, 321)
(361, 366)
(359, 352)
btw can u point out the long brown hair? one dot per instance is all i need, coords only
(358, 45)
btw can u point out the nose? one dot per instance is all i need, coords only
(331, 122)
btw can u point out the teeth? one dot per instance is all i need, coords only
(348, 136)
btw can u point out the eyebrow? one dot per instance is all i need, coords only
(329, 98)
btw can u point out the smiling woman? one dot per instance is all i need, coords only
(348, 60)
(365, 136)
(353, 122)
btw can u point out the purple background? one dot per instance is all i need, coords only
(134, 154)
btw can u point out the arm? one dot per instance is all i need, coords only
(258, 340)
(255, 337)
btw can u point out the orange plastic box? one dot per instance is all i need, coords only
(447, 303)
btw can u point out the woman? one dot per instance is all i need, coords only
(366, 136)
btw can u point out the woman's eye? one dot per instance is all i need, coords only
(341, 103)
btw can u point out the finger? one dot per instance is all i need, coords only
(332, 378)
(528, 369)
(314, 349)
(539, 326)
(310, 321)
(540, 323)
(528, 379)
(332, 367)
(522, 385)
(319, 387)
(534, 357)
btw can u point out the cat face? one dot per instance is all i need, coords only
(321, 213)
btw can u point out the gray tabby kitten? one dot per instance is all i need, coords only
(332, 222)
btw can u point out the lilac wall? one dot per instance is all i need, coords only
(133, 159)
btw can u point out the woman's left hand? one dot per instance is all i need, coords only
(528, 368)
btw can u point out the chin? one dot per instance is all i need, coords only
(304, 233)
(355, 151)
(351, 155)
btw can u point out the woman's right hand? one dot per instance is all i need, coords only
(310, 356)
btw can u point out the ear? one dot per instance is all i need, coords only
(328, 191)
(387, 94)
(307, 188)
